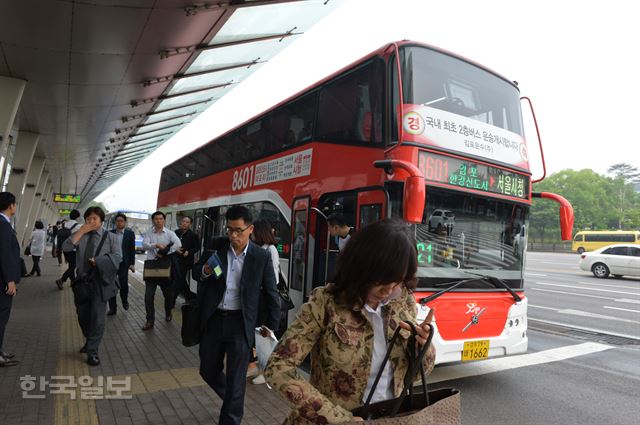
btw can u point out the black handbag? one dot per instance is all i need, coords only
(27, 250)
(83, 286)
(159, 268)
(190, 331)
(285, 300)
(441, 407)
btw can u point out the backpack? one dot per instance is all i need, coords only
(63, 234)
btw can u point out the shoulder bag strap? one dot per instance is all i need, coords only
(415, 365)
(104, 236)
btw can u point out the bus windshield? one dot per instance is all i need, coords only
(463, 236)
(443, 82)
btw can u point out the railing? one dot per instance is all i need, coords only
(550, 246)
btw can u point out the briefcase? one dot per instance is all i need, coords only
(160, 268)
(190, 331)
(438, 407)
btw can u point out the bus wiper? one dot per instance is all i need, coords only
(495, 281)
(430, 298)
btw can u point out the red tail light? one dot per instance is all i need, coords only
(583, 256)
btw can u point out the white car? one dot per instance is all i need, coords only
(618, 260)
(444, 218)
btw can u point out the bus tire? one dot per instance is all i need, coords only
(580, 250)
(600, 270)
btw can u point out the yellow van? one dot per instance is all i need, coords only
(591, 240)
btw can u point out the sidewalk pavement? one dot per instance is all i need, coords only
(144, 377)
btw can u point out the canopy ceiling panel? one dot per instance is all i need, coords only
(108, 81)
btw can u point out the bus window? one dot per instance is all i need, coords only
(369, 214)
(282, 230)
(293, 123)
(578, 238)
(350, 108)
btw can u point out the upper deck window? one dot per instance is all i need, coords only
(350, 108)
(450, 84)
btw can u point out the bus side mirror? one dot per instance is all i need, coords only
(414, 199)
(566, 213)
(415, 192)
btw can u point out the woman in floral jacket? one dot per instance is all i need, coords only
(346, 325)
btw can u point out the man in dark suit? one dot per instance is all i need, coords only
(128, 242)
(9, 268)
(229, 295)
(184, 259)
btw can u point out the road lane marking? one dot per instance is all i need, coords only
(555, 263)
(535, 274)
(581, 313)
(618, 300)
(587, 289)
(500, 364)
(627, 300)
(610, 286)
(622, 309)
(571, 293)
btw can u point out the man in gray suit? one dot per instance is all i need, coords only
(9, 268)
(98, 255)
(239, 278)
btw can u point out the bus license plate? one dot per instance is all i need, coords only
(475, 350)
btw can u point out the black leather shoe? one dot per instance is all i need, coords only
(7, 355)
(93, 359)
(7, 362)
(83, 349)
(111, 313)
(147, 326)
(125, 305)
(169, 317)
(59, 283)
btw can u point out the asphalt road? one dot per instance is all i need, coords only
(559, 291)
(563, 379)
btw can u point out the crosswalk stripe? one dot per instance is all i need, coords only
(447, 373)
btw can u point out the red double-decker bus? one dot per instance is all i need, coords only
(408, 131)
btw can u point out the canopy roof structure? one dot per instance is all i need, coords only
(109, 81)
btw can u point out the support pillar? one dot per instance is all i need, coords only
(26, 200)
(25, 150)
(41, 200)
(35, 204)
(11, 90)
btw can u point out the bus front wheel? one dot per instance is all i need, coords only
(581, 250)
(600, 270)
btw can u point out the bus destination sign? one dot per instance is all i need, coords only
(66, 197)
(471, 175)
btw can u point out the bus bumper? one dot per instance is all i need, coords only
(512, 340)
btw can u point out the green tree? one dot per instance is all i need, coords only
(599, 202)
(624, 181)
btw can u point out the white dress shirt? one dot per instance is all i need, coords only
(235, 263)
(384, 390)
(164, 237)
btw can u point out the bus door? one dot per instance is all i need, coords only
(298, 290)
(326, 247)
(371, 206)
(198, 228)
